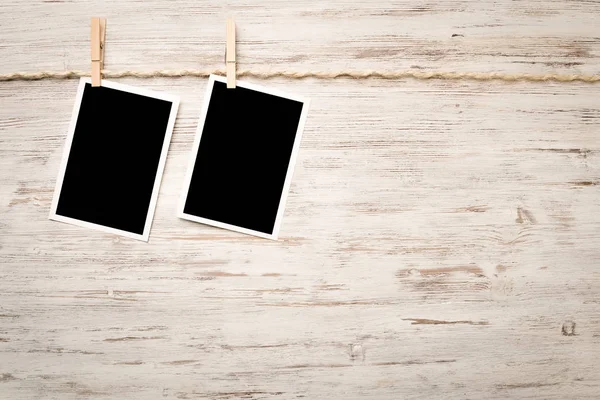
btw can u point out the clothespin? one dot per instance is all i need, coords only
(98, 39)
(230, 54)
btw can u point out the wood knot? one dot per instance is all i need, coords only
(414, 272)
(525, 217)
(357, 352)
(502, 286)
(568, 328)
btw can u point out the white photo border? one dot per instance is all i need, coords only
(290, 171)
(159, 172)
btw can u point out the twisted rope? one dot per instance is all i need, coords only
(419, 75)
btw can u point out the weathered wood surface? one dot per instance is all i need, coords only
(441, 239)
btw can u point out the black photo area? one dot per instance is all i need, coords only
(243, 158)
(114, 158)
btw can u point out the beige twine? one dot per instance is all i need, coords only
(420, 75)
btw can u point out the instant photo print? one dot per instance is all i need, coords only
(243, 158)
(114, 158)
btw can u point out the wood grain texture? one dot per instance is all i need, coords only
(441, 239)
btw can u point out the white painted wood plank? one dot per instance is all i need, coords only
(437, 239)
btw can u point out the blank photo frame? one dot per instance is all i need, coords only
(114, 158)
(243, 158)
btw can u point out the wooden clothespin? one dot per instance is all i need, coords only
(98, 39)
(230, 54)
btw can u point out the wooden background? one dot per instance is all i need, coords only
(441, 238)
